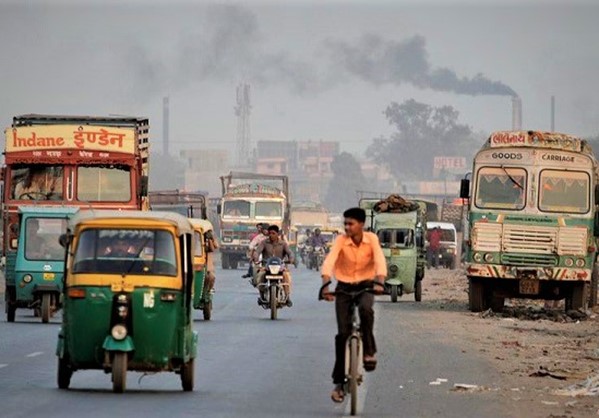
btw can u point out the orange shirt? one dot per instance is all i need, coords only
(350, 263)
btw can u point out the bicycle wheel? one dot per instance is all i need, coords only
(354, 367)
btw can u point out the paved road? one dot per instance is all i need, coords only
(251, 366)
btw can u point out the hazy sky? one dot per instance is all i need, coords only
(318, 70)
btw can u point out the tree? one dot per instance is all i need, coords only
(423, 132)
(347, 180)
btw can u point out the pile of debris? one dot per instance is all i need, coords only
(395, 204)
(535, 313)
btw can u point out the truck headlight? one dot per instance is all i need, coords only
(478, 257)
(580, 262)
(119, 332)
(489, 257)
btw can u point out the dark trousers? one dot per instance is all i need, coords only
(344, 325)
(433, 257)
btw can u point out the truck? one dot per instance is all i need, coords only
(309, 216)
(189, 204)
(61, 160)
(533, 220)
(249, 199)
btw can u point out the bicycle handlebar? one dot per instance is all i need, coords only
(354, 294)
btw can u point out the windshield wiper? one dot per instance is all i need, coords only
(511, 178)
(135, 259)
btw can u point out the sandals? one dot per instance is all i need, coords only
(370, 364)
(338, 394)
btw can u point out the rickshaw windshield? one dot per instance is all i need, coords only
(118, 251)
(41, 239)
(396, 238)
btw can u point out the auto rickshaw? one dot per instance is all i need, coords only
(401, 236)
(202, 297)
(39, 264)
(127, 296)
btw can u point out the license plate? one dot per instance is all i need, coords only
(49, 276)
(274, 277)
(529, 287)
(395, 251)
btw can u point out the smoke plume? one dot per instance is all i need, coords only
(379, 61)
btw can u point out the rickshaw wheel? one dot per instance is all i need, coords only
(64, 374)
(46, 307)
(11, 312)
(207, 311)
(119, 372)
(418, 291)
(11, 307)
(273, 302)
(187, 375)
(394, 293)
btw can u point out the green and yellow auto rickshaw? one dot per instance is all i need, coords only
(127, 296)
(202, 295)
(402, 239)
(39, 263)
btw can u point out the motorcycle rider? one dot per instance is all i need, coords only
(274, 246)
(256, 240)
(317, 240)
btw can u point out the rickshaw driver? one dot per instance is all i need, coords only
(119, 247)
(274, 246)
(35, 243)
(211, 247)
(355, 260)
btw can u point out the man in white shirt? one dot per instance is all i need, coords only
(254, 243)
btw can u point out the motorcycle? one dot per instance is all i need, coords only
(316, 258)
(273, 292)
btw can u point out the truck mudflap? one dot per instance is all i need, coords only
(126, 345)
(519, 272)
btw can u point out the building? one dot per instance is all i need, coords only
(203, 169)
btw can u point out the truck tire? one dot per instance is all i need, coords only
(224, 259)
(577, 298)
(476, 295)
(593, 287)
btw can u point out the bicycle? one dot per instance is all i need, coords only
(354, 350)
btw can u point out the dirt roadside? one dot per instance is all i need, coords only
(544, 356)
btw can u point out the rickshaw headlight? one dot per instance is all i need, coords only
(119, 332)
(28, 278)
(393, 269)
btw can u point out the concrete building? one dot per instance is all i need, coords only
(203, 169)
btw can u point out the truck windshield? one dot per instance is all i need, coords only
(118, 251)
(396, 238)
(41, 239)
(501, 188)
(237, 208)
(564, 191)
(268, 209)
(36, 182)
(103, 184)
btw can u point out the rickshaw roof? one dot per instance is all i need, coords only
(172, 218)
(201, 223)
(48, 210)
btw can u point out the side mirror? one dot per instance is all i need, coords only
(64, 240)
(143, 186)
(465, 189)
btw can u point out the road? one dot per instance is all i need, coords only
(251, 366)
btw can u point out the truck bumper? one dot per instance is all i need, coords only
(499, 271)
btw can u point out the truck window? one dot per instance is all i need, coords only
(501, 188)
(268, 209)
(564, 191)
(115, 251)
(237, 208)
(41, 239)
(103, 184)
(36, 182)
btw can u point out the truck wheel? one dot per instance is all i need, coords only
(577, 298)
(394, 293)
(11, 305)
(233, 263)
(593, 288)
(119, 372)
(418, 291)
(46, 307)
(224, 259)
(476, 295)
(64, 374)
(497, 303)
(187, 375)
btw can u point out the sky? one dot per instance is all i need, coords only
(317, 69)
